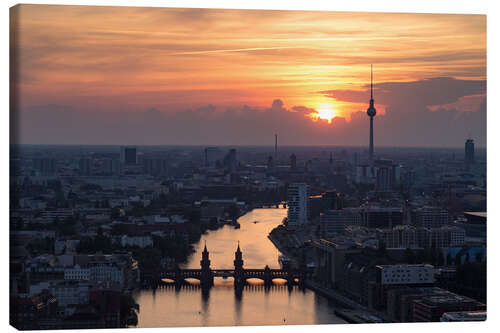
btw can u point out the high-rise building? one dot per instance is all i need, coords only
(230, 161)
(371, 112)
(128, 155)
(469, 151)
(293, 162)
(429, 217)
(45, 166)
(85, 165)
(297, 204)
(270, 163)
(155, 166)
(334, 221)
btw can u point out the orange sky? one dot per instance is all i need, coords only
(160, 57)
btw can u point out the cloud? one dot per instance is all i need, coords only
(408, 121)
(422, 93)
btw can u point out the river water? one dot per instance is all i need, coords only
(277, 305)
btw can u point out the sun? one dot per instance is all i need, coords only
(326, 113)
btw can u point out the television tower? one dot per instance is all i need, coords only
(371, 112)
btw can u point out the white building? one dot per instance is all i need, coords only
(77, 273)
(107, 271)
(405, 274)
(165, 219)
(140, 241)
(297, 204)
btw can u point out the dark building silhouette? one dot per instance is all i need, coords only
(469, 151)
(293, 162)
(45, 166)
(128, 155)
(230, 161)
(270, 163)
(85, 165)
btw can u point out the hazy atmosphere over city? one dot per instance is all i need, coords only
(191, 76)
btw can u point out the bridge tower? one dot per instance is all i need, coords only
(239, 271)
(268, 278)
(207, 277)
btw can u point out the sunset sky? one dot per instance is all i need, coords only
(127, 75)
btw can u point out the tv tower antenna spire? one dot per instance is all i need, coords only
(371, 112)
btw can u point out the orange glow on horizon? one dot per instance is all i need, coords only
(133, 58)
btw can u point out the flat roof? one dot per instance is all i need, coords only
(478, 214)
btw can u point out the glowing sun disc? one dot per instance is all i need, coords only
(326, 114)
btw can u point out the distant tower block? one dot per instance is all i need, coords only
(469, 152)
(276, 147)
(371, 112)
(293, 162)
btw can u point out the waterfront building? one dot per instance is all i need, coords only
(297, 204)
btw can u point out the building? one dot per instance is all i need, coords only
(334, 221)
(405, 274)
(70, 292)
(429, 217)
(401, 236)
(381, 217)
(293, 162)
(85, 166)
(128, 155)
(230, 162)
(155, 166)
(432, 308)
(26, 313)
(464, 316)
(46, 165)
(400, 300)
(78, 273)
(297, 204)
(446, 236)
(139, 241)
(469, 151)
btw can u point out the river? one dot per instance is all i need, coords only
(278, 305)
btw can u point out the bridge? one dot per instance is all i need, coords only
(240, 274)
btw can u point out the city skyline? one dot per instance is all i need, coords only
(143, 76)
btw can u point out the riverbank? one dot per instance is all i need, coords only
(357, 312)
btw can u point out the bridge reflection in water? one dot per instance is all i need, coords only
(240, 274)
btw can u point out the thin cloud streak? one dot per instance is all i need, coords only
(236, 50)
